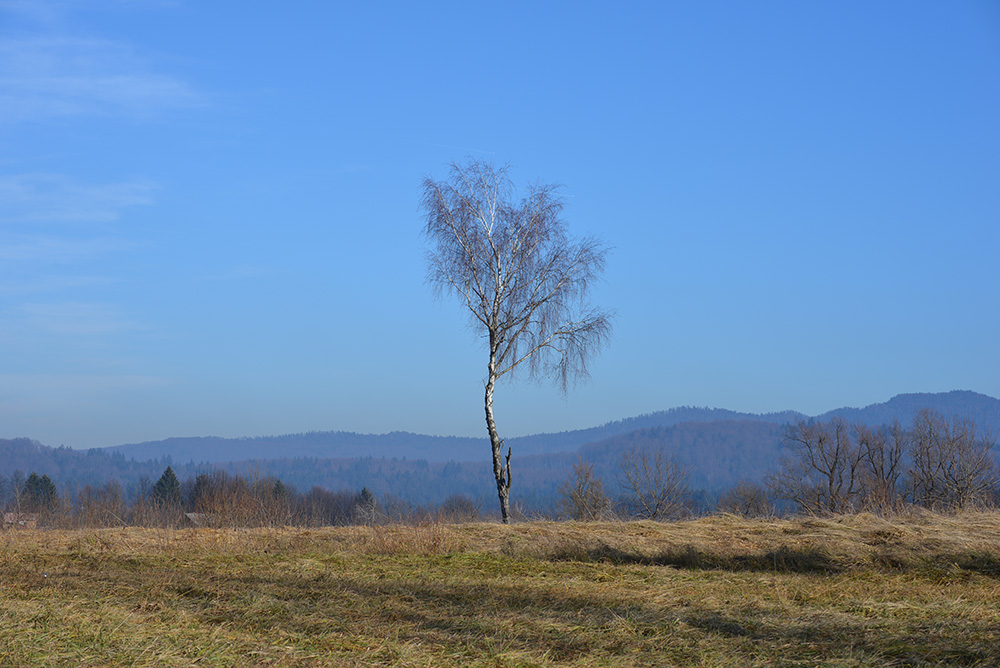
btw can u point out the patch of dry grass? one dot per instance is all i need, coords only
(921, 590)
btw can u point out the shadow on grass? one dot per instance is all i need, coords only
(940, 566)
(978, 562)
(783, 559)
(441, 613)
(713, 622)
(953, 643)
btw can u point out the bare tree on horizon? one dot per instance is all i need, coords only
(524, 281)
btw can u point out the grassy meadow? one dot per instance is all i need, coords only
(920, 590)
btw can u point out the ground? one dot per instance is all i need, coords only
(921, 590)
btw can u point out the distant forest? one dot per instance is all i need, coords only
(717, 449)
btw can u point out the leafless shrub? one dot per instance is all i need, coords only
(100, 506)
(238, 501)
(823, 473)
(458, 508)
(882, 451)
(321, 507)
(746, 499)
(582, 496)
(951, 464)
(146, 512)
(654, 484)
(393, 509)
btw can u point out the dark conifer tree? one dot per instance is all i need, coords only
(167, 490)
(40, 493)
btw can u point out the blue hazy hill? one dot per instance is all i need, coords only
(720, 447)
(983, 409)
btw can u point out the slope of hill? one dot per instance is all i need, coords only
(65, 465)
(571, 441)
(329, 444)
(720, 448)
(982, 409)
(338, 444)
(717, 454)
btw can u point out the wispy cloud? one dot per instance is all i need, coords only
(39, 10)
(50, 249)
(44, 77)
(48, 222)
(75, 318)
(19, 384)
(49, 283)
(54, 198)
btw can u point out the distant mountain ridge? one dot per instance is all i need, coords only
(401, 444)
(719, 447)
(325, 445)
(983, 409)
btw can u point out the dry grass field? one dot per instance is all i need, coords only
(922, 590)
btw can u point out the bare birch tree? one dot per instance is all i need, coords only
(523, 280)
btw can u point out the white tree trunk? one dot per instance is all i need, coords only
(500, 472)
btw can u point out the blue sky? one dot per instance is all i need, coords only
(209, 213)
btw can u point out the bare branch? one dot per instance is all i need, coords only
(522, 279)
(582, 496)
(655, 485)
(824, 473)
(951, 464)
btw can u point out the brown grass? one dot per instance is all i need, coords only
(921, 590)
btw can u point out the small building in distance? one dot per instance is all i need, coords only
(20, 520)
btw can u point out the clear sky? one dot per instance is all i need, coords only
(209, 217)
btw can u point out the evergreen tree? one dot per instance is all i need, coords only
(39, 493)
(167, 490)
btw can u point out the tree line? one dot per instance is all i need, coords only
(936, 462)
(219, 499)
(827, 468)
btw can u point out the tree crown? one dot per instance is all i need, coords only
(523, 280)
